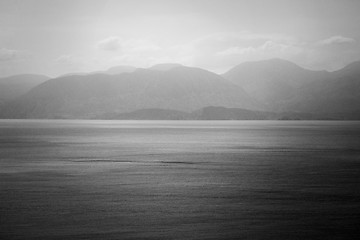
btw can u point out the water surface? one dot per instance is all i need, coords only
(74, 179)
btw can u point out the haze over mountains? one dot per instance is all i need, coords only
(180, 88)
(15, 86)
(336, 95)
(268, 89)
(273, 82)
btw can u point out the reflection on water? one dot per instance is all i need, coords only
(64, 179)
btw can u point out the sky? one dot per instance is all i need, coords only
(63, 36)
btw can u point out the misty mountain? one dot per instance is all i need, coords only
(15, 86)
(180, 88)
(337, 95)
(172, 91)
(272, 82)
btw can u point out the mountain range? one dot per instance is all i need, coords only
(268, 89)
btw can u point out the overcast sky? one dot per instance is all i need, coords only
(57, 37)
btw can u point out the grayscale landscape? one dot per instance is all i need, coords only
(162, 119)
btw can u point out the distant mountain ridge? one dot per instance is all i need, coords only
(180, 88)
(273, 82)
(337, 94)
(268, 89)
(15, 86)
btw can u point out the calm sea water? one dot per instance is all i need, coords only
(63, 179)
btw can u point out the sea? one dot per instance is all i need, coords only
(95, 179)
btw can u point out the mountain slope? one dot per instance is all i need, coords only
(272, 82)
(15, 86)
(337, 95)
(180, 88)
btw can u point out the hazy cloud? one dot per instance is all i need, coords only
(267, 47)
(70, 63)
(128, 46)
(336, 40)
(139, 52)
(219, 52)
(8, 54)
(140, 45)
(67, 59)
(111, 44)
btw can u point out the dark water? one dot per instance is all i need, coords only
(179, 180)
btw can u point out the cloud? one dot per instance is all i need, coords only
(141, 45)
(140, 52)
(222, 41)
(72, 63)
(236, 51)
(336, 40)
(216, 52)
(8, 54)
(67, 59)
(220, 51)
(111, 44)
(200, 52)
(128, 46)
(266, 49)
(281, 48)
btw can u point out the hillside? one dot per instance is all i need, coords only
(180, 88)
(273, 82)
(337, 95)
(15, 86)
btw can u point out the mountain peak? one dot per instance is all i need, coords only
(271, 81)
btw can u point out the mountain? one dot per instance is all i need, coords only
(273, 82)
(15, 86)
(180, 88)
(337, 95)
